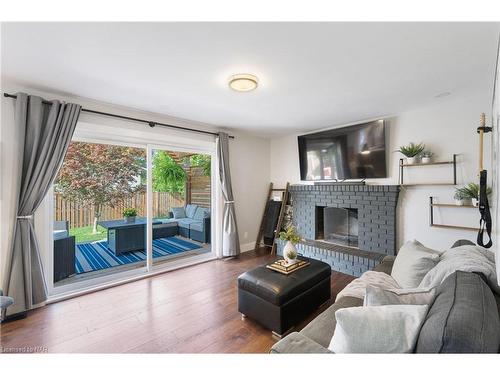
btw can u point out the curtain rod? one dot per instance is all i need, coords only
(152, 124)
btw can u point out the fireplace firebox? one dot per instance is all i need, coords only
(337, 225)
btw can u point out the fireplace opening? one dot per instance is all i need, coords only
(337, 225)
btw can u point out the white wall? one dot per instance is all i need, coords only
(249, 157)
(447, 127)
(249, 161)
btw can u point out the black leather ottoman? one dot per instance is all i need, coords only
(278, 301)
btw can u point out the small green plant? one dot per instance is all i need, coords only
(469, 191)
(427, 154)
(291, 254)
(290, 235)
(129, 212)
(411, 150)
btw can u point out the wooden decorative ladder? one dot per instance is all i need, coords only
(284, 199)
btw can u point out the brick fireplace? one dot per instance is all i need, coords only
(351, 227)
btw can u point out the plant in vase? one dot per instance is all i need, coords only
(129, 214)
(426, 157)
(411, 151)
(292, 238)
(469, 194)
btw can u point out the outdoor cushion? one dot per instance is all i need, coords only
(197, 225)
(58, 234)
(179, 212)
(201, 213)
(191, 210)
(165, 225)
(185, 223)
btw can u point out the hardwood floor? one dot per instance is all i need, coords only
(192, 310)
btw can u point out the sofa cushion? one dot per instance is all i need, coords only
(167, 222)
(321, 329)
(185, 223)
(463, 318)
(179, 212)
(58, 234)
(197, 225)
(412, 263)
(191, 210)
(296, 343)
(201, 213)
(386, 265)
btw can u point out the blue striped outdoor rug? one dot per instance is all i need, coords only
(95, 256)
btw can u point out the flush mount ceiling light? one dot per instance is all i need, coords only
(442, 94)
(243, 82)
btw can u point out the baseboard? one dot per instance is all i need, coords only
(244, 247)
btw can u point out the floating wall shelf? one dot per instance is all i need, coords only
(453, 162)
(431, 215)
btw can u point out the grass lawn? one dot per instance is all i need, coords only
(84, 234)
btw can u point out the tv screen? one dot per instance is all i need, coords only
(352, 152)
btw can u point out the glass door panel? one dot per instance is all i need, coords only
(181, 204)
(99, 212)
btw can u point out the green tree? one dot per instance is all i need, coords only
(168, 176)
(203, 161)
(98, 175)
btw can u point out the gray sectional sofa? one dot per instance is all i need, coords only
(464, 318)
(191, 221)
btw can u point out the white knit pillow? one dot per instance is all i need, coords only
(378, 329)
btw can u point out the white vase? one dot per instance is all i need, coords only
(426, 160)
(475, 202)
(290, 253)
(410, 161)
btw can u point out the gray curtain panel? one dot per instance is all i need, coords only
(230, 238)
(48, 128)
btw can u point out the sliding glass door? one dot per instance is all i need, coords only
(120, 210)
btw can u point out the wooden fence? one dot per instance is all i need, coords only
(198, 188)
(80, 215)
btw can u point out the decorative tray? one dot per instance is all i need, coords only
(281, 266)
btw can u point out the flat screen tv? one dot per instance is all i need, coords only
(352, 152)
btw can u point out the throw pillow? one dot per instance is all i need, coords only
(377, 329)
(412, 263)
(201, 213)
(376, 296)
(190, 210)
(179, 212)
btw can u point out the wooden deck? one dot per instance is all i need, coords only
(192, 310)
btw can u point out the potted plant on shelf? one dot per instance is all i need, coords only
(426, 157)
(411, 151)
(130, 214)
(292, 238)
(469, 194)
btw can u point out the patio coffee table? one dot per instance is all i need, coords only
(124, 237)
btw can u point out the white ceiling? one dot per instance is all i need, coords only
(313, 75)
